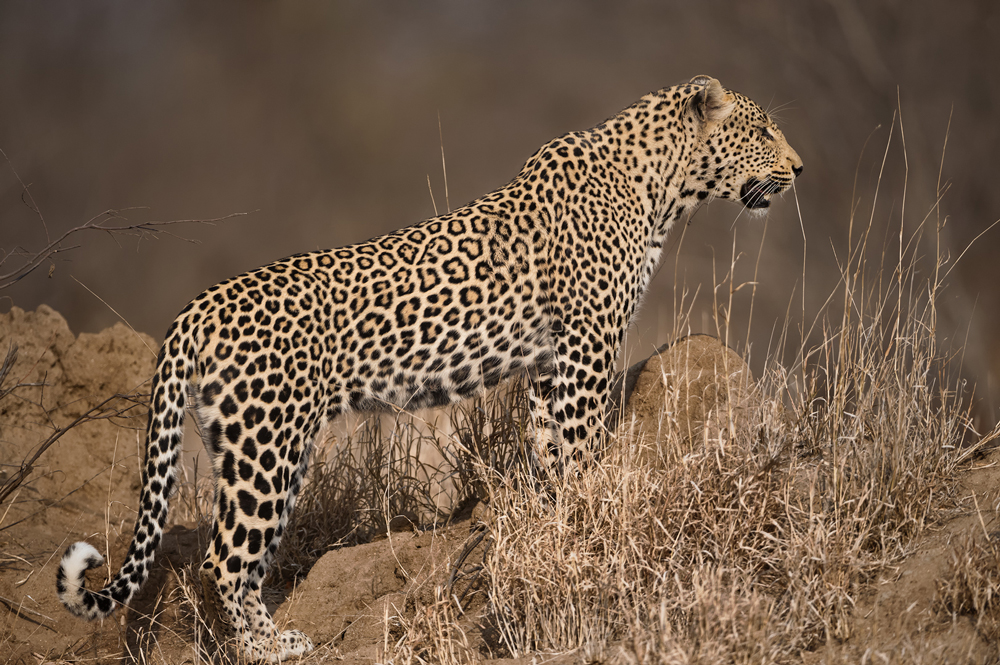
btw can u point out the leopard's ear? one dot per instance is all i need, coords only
(712, 103)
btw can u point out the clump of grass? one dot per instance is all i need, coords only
(971, 584)
(365, 484)
(434, 635)
(720, 623)
(614, 546)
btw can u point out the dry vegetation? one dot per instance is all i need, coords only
(752, 545)
(971, 585)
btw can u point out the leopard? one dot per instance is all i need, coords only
(540, 277)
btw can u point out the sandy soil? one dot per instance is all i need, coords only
(355, 599)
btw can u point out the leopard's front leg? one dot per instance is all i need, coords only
(569, 401)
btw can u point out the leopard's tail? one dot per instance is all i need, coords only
(174, 369)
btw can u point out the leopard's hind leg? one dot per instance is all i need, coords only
(258, 475)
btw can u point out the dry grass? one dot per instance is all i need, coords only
(971, 585)
(433, 636)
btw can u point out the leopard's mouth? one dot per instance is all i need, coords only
(756, 194)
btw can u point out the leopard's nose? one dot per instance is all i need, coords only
(797, 170)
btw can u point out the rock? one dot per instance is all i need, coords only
(692, 390)
(42, 338)
(84, 485)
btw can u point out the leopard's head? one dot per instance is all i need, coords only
(740, 153)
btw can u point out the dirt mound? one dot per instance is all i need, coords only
(63, 377)
(85, 484)
(356, 601)
(693, 386)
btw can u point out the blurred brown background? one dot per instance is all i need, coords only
(321, 119)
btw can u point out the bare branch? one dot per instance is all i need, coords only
(99, 412)
(103, 223)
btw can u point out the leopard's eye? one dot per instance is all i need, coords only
(766, 133)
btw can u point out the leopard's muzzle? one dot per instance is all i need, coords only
(756, 193)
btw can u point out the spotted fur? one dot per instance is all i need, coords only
(541, 275)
